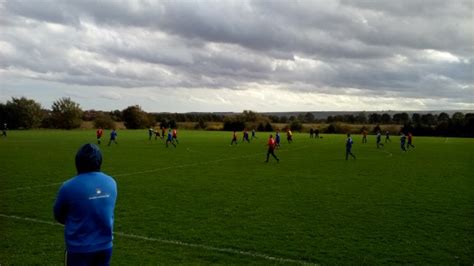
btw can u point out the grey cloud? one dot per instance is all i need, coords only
(230, 44)
(49, 11)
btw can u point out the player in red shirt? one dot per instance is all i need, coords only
(99, 134)
(410, 139)
(175, 136)
(271, 149)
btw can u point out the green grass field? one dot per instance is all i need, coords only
(206, 202)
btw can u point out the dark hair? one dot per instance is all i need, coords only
(88, 159)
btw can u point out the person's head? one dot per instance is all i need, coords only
(88, 159)
(271, 136)
(348, 135)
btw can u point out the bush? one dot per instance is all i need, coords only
(268, 127)
(104, 121)
(394, 130)
(296, 125)
(330, 129)
(234, 123)
(201, 124)
(344, 129)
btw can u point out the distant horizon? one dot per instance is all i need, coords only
(48, 107)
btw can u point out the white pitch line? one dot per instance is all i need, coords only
(153, 170)
(179, 243)
(196, 164)
(31, 187)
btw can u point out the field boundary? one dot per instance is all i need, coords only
(178, 243)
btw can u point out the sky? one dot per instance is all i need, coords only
(229, 56)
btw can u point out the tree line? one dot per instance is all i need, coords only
(23, 113)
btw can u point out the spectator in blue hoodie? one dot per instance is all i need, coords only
(85, 205)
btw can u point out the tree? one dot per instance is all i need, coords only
(458, 118)
(103, 120)
(116, 115)
(428, 119)
(386, 118)
(361, 118)
(375, 118)
(349, 119)
(21, 113)
(469, 124)
(234, 123)
(163, 123)
(90, 115)
(151, 121)
(3, 113)
(66, 114)
(377, 129)
(300, 117)
(401, 118)
(416, 118)
(331, 129)
(274, 119)
(443, 117)
(268, 127)
(134, 117)
(249, 116)
(172, 124)
(201, 124)
(296, 125)
(309, 117)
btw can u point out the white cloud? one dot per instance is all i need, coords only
(224, 55)
(111, 95)
(440, 56)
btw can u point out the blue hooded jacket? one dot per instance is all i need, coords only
(85, 204)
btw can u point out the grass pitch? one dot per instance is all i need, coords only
(206, 202)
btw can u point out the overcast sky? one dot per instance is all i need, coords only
(180, 56)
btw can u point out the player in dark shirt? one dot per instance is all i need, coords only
(349, 143)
